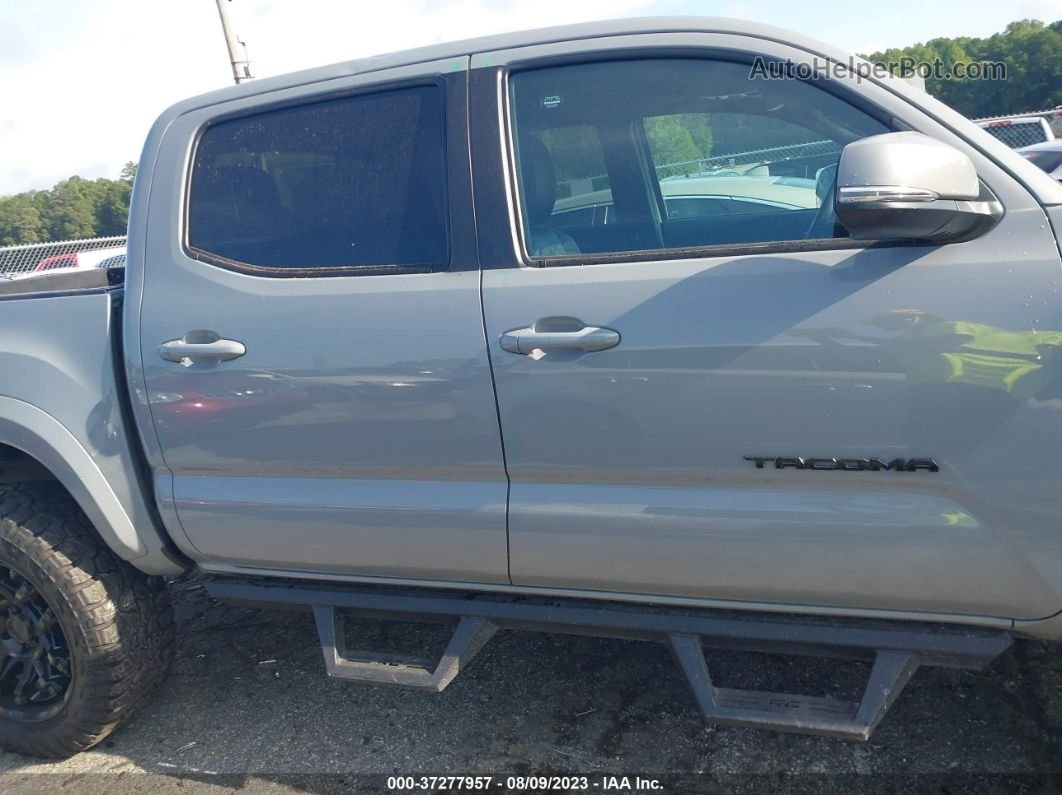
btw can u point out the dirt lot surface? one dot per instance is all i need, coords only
(248, 706)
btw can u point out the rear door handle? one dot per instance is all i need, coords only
(187, 352)
(588, 338)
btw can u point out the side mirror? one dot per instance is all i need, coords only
(908, 185)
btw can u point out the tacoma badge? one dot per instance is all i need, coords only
(847, 464)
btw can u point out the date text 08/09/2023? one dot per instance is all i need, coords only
(524, 783)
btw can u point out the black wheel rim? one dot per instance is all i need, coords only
(35, 667)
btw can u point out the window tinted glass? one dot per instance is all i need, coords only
(670, 154)
(349, 182)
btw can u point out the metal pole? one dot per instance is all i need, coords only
(241, 67)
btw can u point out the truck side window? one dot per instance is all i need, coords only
(358, 181)
(675, 154)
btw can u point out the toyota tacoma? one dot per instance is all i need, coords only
(594, 329)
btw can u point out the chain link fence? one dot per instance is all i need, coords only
(752, 157)
(40, 258)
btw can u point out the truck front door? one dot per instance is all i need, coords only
(707, 390)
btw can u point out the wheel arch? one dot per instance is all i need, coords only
(52, 452)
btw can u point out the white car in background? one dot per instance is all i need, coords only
(1056, 121)
(1019, 131)
(89, 260)
(109, 257)
(81, 260)
(698, 196)
(1046, 155)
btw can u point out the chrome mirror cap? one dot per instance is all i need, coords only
(906, 163)
(909, 186)
(884, 193)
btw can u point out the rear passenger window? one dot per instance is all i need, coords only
(675, 154)
(353, 182)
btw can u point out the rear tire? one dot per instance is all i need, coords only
(85, 633)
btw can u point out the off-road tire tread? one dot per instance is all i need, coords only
(124, 617)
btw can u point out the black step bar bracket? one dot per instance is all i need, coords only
(896, 648)
(758, 709)
(471, 635)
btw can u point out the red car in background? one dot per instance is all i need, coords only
(78, 259)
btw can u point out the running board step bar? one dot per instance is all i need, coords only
(470, 636)
(895, 648)
(757, 709)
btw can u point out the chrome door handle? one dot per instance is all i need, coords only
(588, 338)
(186, 352)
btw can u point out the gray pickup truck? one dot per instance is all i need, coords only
(683, 330)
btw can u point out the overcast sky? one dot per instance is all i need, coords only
(82, 80)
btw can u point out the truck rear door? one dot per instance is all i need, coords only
(706, 390)
(313, 362)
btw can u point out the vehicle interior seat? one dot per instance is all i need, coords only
(539, 180)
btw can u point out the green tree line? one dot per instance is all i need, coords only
(74, 208)
(577, 151)
(1030, 50)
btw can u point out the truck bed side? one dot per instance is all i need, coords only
(62, 407)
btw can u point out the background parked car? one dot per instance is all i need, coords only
(1047, 155)
(110, 257)
(697, 196)
(1020, 130)
(113, 261)
(1056, 121)
(81, 259)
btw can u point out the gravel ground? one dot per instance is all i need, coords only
(248, 706)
